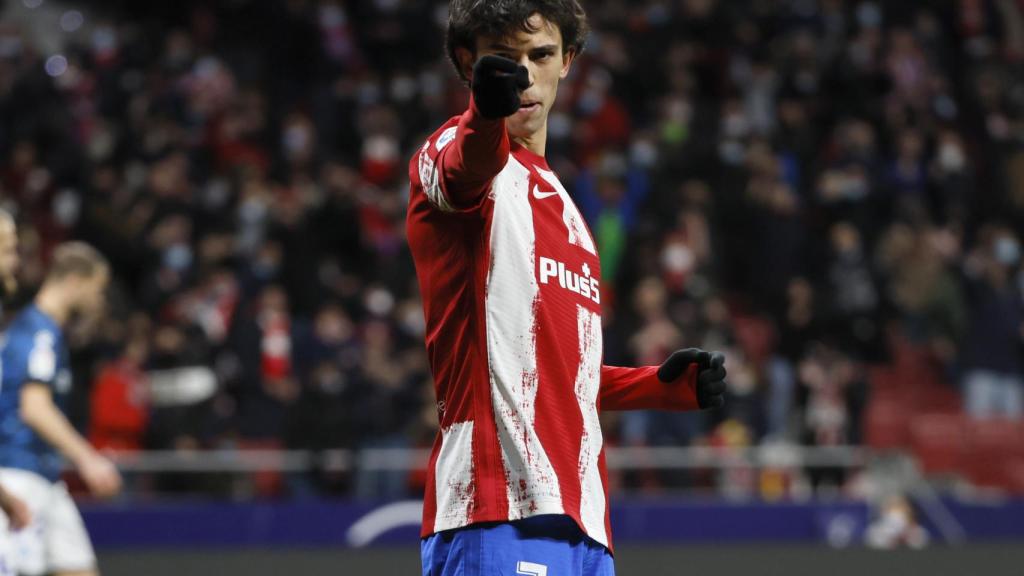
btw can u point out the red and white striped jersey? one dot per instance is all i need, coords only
(511, 286)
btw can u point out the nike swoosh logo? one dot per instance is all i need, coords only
(542, 195)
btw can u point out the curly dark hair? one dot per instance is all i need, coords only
(469, 19)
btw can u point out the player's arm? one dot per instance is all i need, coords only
(480, 148)
(690, 379)
(38, 411)
(18, 514)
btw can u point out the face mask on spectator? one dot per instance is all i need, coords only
(329, 380)
(869, 15)
(412, 322)
(945, 107)
(644, 153)
(732, 152)
(559, 126)
(296, 139)
(368, 93)
(1007, 251)
(252, 210)
(590, 102)
(951, 158)
(10, 46)
(178, 257)
(735, 125)
(265, 267)
(379, 302)
(66, 207)
(403, 88)
(104, 43)
(332, 16)
(678, 258)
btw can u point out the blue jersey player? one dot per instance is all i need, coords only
(35, 435)
(16, 513)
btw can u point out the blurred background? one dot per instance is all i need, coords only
(830, 191)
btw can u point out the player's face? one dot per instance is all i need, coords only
(541, 53)
(8, 256)
(91, 293)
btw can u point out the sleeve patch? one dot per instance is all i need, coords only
(429, 178)
(42, 360)
(445, 138)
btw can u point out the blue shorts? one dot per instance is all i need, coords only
(549, 545)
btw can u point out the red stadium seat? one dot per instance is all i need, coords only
(938, 441)
(886, 424)
(883, 378)
(938, 398)
(1015, 476)
(999, 436)
(993, 446)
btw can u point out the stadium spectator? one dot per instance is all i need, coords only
(832, 169)
(993, 382)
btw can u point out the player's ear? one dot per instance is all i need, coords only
(466, 60)
(568, 56)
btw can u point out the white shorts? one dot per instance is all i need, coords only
(56, 540)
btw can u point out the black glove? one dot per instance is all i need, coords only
(497, 82)
(710, 374)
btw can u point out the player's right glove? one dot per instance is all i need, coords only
(710, 381)
(497, 82)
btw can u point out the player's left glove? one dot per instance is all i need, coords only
(710, 385)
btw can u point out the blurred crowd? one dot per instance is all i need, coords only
(798, 183)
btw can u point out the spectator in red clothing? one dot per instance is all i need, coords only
(119, 406)
(198, 159)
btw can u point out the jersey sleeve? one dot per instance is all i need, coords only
(640, 389)
(456, 165)
(31, 357)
